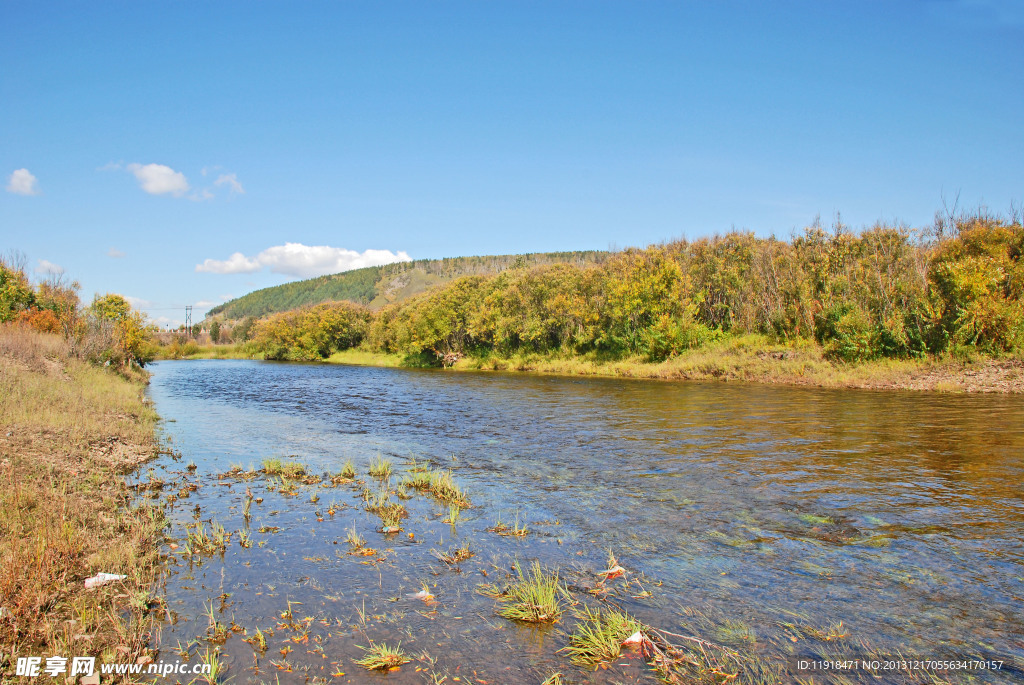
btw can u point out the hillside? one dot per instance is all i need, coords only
(376, 286)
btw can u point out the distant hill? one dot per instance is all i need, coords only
(376, 286)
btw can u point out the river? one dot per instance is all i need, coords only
(755, 517)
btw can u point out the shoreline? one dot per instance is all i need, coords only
(746, 359)
(802, 366)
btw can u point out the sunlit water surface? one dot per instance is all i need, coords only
(899, 514)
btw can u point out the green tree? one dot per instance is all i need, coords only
(215, 332)
(16, 293)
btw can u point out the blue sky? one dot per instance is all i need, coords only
(139, 140)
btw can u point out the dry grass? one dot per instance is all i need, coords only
(68, 429)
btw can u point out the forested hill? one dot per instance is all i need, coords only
(377, 286)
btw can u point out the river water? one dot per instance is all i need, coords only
(746, 515)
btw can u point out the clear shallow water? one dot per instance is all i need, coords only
(900, 514)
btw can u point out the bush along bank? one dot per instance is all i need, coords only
(904, 307)
(70, 428)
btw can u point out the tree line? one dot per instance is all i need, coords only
(886, 291)
(109, 330)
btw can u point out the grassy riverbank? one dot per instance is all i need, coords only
(751, 358)
(69, 429)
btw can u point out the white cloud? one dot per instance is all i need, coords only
(158, 179)
(115, 253)
(204, 303)
(237, 263)
(225, 298)
(201, 195)
(22, 182)
(302, 261)
(46, 268)
(231, 181)
(138, 302)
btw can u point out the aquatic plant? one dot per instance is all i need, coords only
(515, 530)
(380, 467)
(534, 597)
(439, 484)
(278, 467)
(454, 513)
(454, 555)
(599, 635)
(214, 668)
(354, 539)
(380, 657)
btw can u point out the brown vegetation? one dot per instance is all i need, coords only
(67, 429)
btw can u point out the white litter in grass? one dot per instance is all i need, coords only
(102, 579)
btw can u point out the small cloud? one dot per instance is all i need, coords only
(201, 195)
(138, 302)
(302, 261)
(111, 166)
(115, 253)
(231, 181)
(204, 303)
(225, 298)
(22, 182)
(237, 263)
(46, 268)
(158, 179)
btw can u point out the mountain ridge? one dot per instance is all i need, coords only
(377, 286)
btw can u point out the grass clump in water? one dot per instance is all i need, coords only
(380, 467)
(534, 598)
(454, 555)
(348, 470)
(599, 635)
(440, 484)
(734, 633)
(515, 530)
(288, 469)
(380, 657)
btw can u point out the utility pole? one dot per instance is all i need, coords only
(188, 320)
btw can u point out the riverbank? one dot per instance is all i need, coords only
(70, 430)
(748, 358)
(754, 359)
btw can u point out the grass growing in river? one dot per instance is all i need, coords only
(733, 632)
(439, 484)
(380, 657)
(515, 530)
(258, 640)
(454, 513)
(454, 555)
(380, 467)
(534, 597)
(213, 667)
(288, 469)
(354, 539)
(599, 634)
